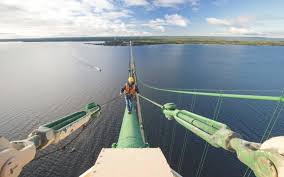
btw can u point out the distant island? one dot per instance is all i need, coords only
(157, 40)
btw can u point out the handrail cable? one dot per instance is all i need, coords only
(225, 95)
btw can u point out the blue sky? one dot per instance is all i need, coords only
(57, 18)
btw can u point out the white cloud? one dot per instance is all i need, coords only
(44, 18)
(157, 24)
(235, 30)
(168, 3)
(194, 4)
(220, 2)
(241, 25)
(136, 2)
(216, 21)
(242, 31)
(176, 19)
(168, 20)
(240, 21)
(99, 5)
(157, 27)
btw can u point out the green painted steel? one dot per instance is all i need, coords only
(130, 135)
(66, 121)
(264, 163)
(60, 123)
(46, 133)
(199, 125)
(131, 132)
(224, 95)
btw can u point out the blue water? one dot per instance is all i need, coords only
(210, 67)
(43, 81)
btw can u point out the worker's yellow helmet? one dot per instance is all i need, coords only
(131, 80)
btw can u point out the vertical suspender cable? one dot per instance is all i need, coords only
(173, 136)
(180, 163)
(205, 150)
(268, 129)
(172, 141)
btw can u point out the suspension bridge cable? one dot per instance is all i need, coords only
(225, 95)
(216, 114)
(182, 151)
(193, 103)
(173, 136)
(156, 104)
(160, 129)
(153, 102)
(205, 150)
(109, 101)
(248, 170)
(204, 153)
(276, 119)
(172, 142)
(231, 90)
(269, 123)
(254, 97)
(203, 157)
(259, 112)
(180, 163)
(268, 130)
(217, 90)
(273, 121)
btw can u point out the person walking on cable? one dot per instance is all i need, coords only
(129, 90)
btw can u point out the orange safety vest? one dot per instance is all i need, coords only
(129, 90)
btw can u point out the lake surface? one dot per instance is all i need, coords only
(40, 82)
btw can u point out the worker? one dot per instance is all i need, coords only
(129, 90)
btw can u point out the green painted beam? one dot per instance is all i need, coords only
(130, 134)
(263, 162)
(57, 130)
(224, 95)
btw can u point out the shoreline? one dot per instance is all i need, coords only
(221, 42)
(158, 40)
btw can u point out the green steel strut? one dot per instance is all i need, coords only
(131, 132)
(55, 131)
(130, 135)
(266, 159)
(14, 155)
(224, 95)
